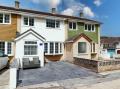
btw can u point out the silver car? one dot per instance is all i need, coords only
(3, 60)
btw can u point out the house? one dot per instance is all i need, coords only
(50, 36)
(110, 46)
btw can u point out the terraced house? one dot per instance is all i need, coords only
(48, 36)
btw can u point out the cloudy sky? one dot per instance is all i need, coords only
(105, 11)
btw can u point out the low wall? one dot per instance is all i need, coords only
(98, 65)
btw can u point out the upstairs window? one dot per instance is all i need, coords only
(29, 21)
(90, 27)
(4, 18)
(52, 23)
(72, 25)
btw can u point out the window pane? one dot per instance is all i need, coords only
(81, 47)
(46, 47)
(86, 27)
(25, 20)
(57, 24)
(56, 47)
(70, 25)
(89, 27)
(51, 47)
(30, 50)
(74, 25)
(93, 27)
(31, 21)
(9, 48)
(60, 47)
(1, 18)
(50, 23)
(2, 47)
(7, 18)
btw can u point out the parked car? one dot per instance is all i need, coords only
(3, 60)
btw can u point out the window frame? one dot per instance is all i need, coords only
(28, 21)
(32, 43)
(55, 22)
(59, 48)
(83, 47)
(91, 27)
(72, 27)
(4, 18)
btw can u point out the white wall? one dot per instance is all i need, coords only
(50, 34)
(20, 48)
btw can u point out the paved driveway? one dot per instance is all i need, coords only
(53, 71)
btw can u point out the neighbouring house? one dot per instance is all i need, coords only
(110, 46)
(49, 36)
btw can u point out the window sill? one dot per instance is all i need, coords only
(82, 54)
(5, 23)
(53, 28)
(54, 54)
(88, 31)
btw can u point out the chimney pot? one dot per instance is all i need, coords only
(53, 11)
(17, 4)
(81, 14)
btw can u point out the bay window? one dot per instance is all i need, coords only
(53, 48)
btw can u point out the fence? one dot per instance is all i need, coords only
(98, 65)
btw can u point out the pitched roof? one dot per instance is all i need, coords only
(74, 38)
(46, 13)
(28, 31)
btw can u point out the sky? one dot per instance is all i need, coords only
(105, 11)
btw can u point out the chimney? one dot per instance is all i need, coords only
(53, 11)
(17, 3)
(81, 14)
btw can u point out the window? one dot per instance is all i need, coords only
(46, 47)
(4, 18)
(56, 47)
(30, 48)
(2, 46)
(29, 21)
(53, 48)
(89, 27)
(52, 23)
(82, 47)
(93, 47)
(72, 25)
(9, 48)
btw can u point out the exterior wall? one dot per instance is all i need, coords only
(53, 57)
(68, 52)
(8, 31)
(86, 55)
(20, 49)
(50, 34)
(80, 29)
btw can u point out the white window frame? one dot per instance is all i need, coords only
(54, 24)
(91, 28)
(29, 20)
(30, 45)
(60, 50)
(6, 48)
(72, 25)
(4, 18)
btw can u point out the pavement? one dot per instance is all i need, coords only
(4, 79)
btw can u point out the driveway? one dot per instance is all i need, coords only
(53, 71)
